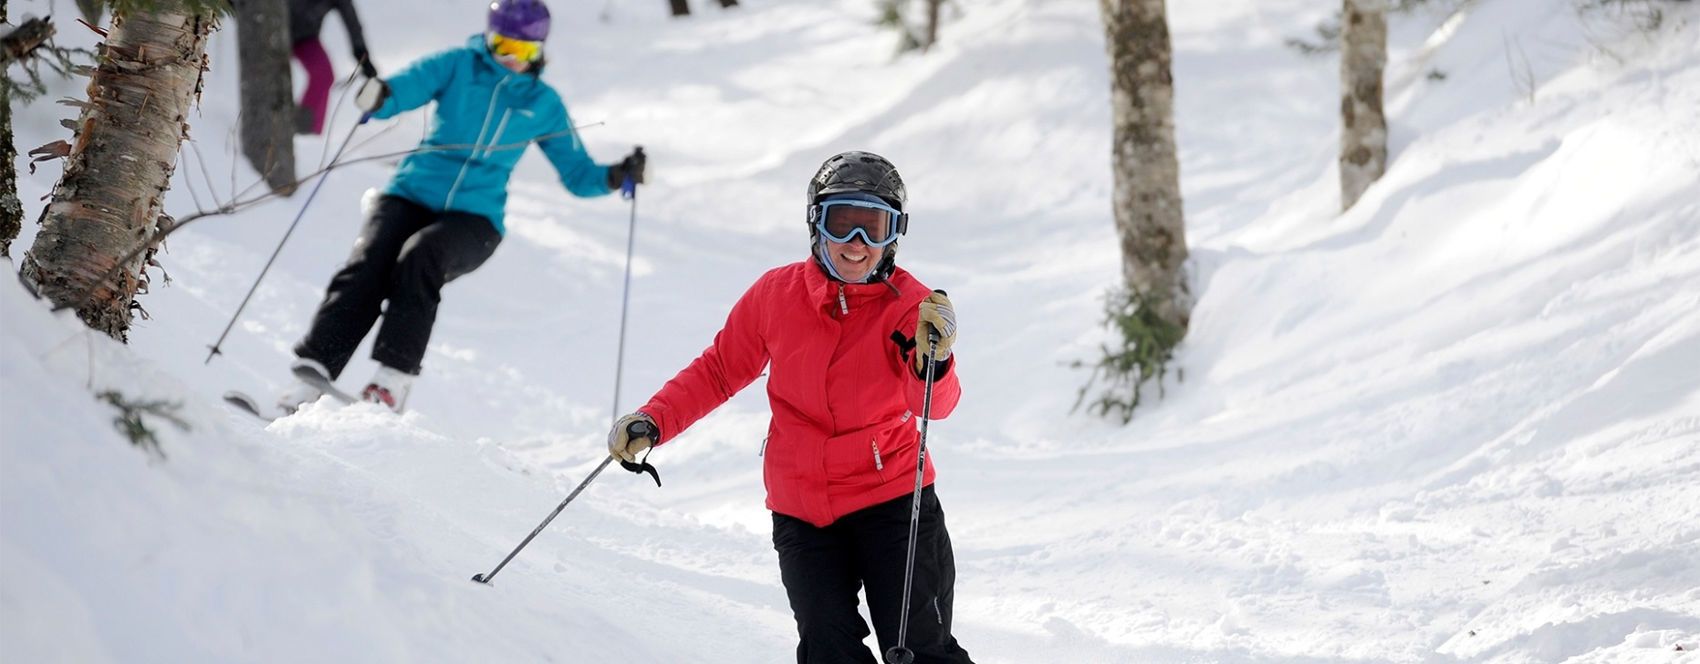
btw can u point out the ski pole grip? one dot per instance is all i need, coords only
(933, 332)
(628, 186)
(643, 429)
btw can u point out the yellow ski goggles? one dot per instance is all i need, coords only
(520, 50)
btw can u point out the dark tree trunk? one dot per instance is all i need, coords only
(931, 36)
(679, 7)
(11, 209)
(110, 199)
(268, 109)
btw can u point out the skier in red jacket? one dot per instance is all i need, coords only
(845, 333)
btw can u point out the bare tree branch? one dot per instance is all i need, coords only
(168, 226)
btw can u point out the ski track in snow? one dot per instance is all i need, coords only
(1457, 423)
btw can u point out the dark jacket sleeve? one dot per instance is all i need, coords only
(303, 21)
(351, 23)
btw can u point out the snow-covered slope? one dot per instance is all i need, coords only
(1459, 422)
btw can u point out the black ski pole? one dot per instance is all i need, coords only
(899, 654)
(638, 429)
(214, 349)
(628, 189)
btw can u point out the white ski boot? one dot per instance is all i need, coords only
(389, 388)
(300, 392)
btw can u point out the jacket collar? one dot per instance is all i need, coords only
(823, 289)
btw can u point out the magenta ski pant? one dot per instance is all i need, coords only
(311, 54)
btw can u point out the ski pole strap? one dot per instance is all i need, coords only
(643, 429)
(642, 467)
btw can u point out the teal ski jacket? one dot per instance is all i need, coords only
(485, 118)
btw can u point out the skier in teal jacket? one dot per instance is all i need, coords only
(441, 215)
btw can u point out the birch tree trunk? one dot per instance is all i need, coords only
(268, 108)
(110, 198)
(1147, 191)
(1363, 126)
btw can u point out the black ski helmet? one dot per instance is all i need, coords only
(858, 171)
(865, 173)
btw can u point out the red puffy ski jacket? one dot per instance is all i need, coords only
(845, 399)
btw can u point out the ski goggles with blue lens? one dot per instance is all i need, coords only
(841, 219)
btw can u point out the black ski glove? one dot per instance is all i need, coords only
(631, 166)
(364, 58)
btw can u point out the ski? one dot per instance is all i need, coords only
(241, 401)
(323, 382)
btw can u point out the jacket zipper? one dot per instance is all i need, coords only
(879, 463)
(476, 143)
(496, 138)
(843, 306)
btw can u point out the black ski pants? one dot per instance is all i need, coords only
(405, 254)
(823, 568)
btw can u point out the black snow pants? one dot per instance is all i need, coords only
(823, 568)
(405, 254)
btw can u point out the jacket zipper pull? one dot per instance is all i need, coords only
(879, 464)
(843, 307)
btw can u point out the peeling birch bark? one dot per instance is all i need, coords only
(110, 197)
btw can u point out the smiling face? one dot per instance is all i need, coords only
(854, 260)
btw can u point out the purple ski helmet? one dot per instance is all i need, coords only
(519, 19)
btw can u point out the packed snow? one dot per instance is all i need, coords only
(1459, 422)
